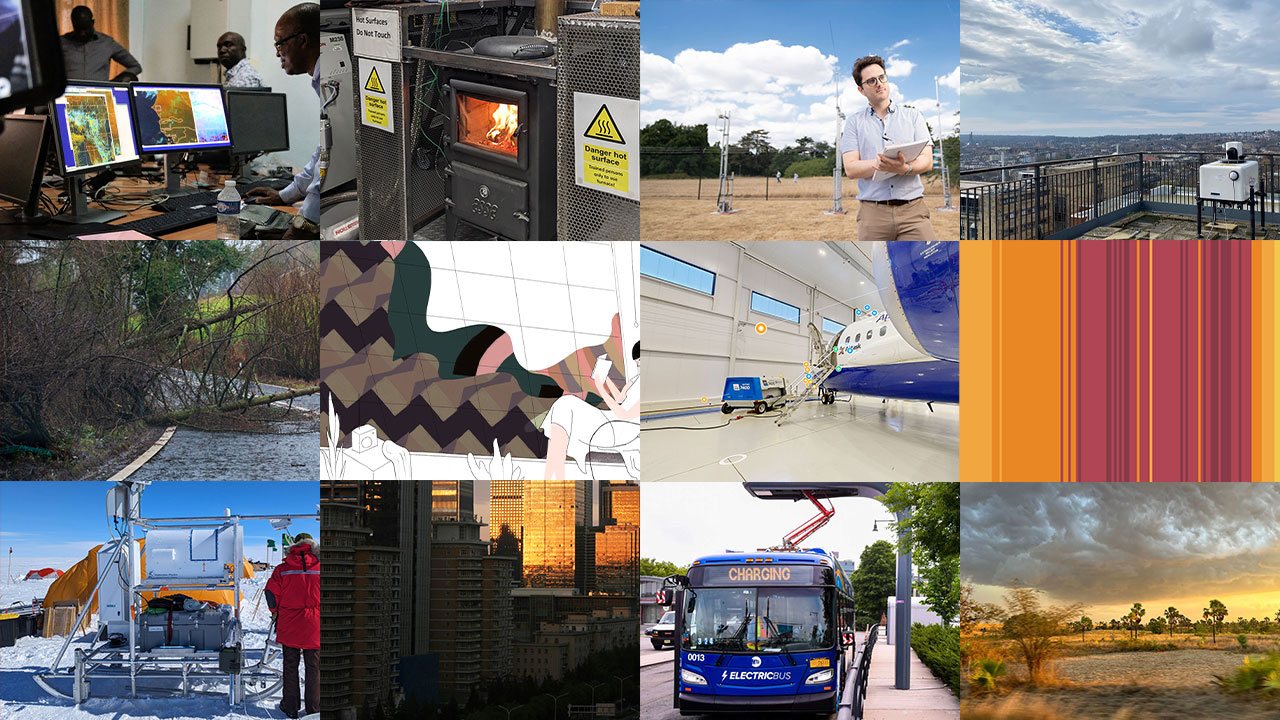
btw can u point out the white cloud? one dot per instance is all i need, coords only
(898, 67)
(995, 83)
(951, 79)
(899, 44)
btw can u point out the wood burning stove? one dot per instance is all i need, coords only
(500, 138)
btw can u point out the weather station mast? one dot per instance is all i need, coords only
(942, 156)
(837, 174)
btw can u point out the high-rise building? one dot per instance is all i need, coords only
(498, 628)
(506, 509)
(457, 606)
(555, 514)
(617, 540)
(398, 515)
(452, 499)
(360, 610)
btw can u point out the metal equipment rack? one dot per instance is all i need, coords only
(101, 661)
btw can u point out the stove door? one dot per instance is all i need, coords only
(490, 122)
(491, 201)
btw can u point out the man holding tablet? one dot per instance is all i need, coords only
(890, 192)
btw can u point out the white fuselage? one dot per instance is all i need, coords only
(874, 341)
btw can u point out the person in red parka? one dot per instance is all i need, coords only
(293, 594)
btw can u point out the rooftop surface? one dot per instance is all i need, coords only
(1162, 226)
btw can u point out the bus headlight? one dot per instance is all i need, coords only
(822, 676)
(692, 677)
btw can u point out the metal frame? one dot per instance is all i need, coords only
(1104, 189)
(103, 661)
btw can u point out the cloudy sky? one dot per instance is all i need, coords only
(681, 521)
(1111, 545)
(1098, 67)
(773, 64)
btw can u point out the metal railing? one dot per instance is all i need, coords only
(1066, 198)
(855, 689)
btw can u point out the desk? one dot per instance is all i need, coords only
(208, 231)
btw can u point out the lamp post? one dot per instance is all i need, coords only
(555, 709)
(621, 695)
(593, 694)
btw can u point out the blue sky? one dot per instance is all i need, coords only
(772, 63)
(51, 521)
(1083, 67)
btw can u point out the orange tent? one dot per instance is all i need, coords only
(78, 582)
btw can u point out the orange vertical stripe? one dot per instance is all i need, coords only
(1199, 360)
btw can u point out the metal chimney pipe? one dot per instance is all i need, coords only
(545, 13)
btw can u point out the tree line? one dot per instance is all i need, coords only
(678, 151)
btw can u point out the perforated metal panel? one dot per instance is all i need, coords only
(395, 193)
(601, 55)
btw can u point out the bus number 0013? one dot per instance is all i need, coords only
(697, 658)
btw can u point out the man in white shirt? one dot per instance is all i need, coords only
(892, 208)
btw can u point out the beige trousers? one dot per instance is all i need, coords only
(895, 222)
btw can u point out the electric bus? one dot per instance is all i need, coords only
(762, 632)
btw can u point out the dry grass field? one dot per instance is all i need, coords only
(670, 210)
(1095, 677)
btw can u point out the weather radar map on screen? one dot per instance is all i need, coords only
(92, 127)
(177, 118)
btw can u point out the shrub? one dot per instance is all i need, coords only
(1243, 640)
(939, 649)
(1262, 676)
(1144, 646)
(814, 167)
(986, 673)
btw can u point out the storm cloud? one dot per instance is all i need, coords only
(1103, 543)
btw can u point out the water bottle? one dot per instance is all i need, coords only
(229, 212)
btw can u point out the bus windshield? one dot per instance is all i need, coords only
(758, 620)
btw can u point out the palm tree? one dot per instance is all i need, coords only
(1215, 614)
(1085, 624)
(1171, 614)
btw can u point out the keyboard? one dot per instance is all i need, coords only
(173, 221)
(183, 202)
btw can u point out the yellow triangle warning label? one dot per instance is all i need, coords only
(374, 83)
(603, 127)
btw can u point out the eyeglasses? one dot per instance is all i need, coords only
(282, 41)
(882, 80)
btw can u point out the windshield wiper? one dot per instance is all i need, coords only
(782, 644)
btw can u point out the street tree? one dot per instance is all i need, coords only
(874, 581)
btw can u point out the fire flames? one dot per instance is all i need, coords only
(506, 118)
(489, 125)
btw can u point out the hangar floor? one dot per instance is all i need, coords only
(862, 439)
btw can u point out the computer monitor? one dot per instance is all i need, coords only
(23, 147)
(259, 121)
(31, 66)
(93, 128)
(178, 117)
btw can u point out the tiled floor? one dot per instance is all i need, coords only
(860, 440)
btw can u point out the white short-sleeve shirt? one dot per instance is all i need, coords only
(865, 132)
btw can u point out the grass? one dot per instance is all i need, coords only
(794, 211)
(1262, 676)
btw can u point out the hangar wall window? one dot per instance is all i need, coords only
(775, 308)
(662, 266)
(831, 326)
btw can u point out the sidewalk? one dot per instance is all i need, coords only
(928, 698)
